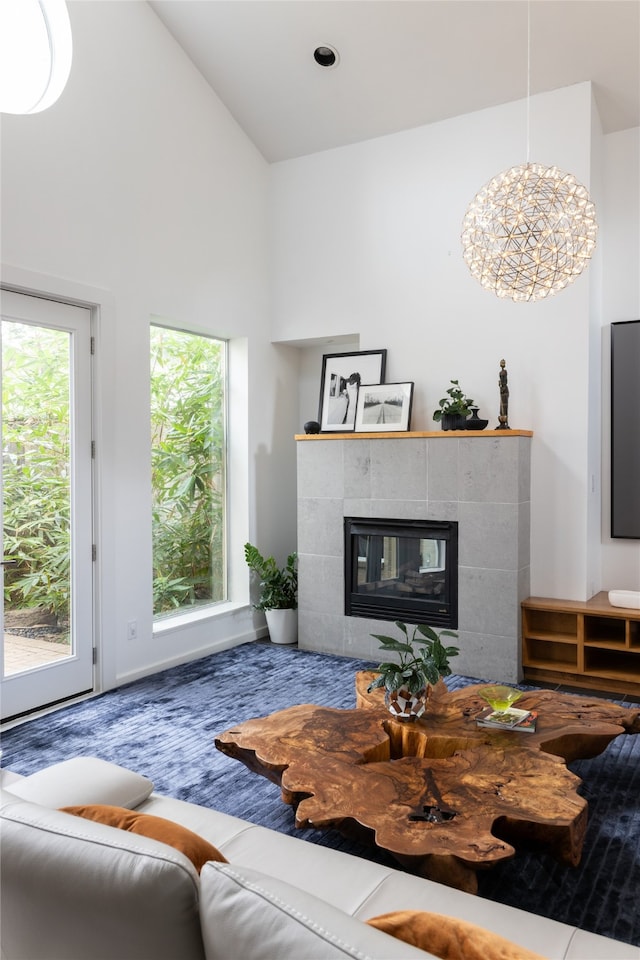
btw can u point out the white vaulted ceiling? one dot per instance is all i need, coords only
(403, 63)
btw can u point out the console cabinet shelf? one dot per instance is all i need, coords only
(589, 644)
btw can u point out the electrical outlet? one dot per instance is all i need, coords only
(132, 630)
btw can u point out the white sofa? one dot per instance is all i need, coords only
(74, 889)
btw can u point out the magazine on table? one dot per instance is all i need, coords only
(511, 719)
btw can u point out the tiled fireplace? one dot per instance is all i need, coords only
(481, 480)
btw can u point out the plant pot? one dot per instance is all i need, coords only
(407, 706)
(453, 421)
(282, 625)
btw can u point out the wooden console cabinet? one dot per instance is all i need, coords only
(588, 644)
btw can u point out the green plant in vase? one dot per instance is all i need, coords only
(278, 585)
(453, 410)
(422, 661)
(278, 593)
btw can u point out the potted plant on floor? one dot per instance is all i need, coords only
(422, 661)
(453, 409)
(278, 593)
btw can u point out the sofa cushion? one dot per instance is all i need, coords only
(188, 842)
(448, 937)
(72, 889)
(83, 780)
(245, 913)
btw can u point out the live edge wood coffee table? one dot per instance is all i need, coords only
(444, 797)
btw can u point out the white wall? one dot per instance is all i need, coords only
(138, 191)
(367, 239)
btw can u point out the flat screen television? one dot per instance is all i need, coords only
(625, 429)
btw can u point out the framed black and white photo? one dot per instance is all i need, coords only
(384, 407)
(342, 374)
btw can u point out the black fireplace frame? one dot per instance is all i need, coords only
(441, 611)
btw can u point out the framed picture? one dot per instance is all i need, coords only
(384, 406)
(342, 374)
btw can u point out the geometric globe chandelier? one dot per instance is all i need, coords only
(529, 232)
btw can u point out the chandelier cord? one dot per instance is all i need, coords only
(528, 79)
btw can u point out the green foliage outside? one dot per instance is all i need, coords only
(188, 446)
(35, 467)
(188, 469)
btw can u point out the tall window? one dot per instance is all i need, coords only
(188, 450)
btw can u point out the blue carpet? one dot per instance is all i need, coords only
(163, 726)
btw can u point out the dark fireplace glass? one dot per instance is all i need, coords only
(402, 570)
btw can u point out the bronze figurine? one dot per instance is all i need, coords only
(504, 398)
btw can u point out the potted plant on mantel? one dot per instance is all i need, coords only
(422, 662)
(453, 410)
(278, 593)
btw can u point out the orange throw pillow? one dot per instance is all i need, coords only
(448, 937)
(199, 851)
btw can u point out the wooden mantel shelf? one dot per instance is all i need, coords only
(410, 435)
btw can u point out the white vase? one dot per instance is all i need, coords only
(405, 705)
(282, 625)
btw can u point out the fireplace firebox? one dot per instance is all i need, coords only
(402, 570)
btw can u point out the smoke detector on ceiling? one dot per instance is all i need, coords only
(326, 56)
